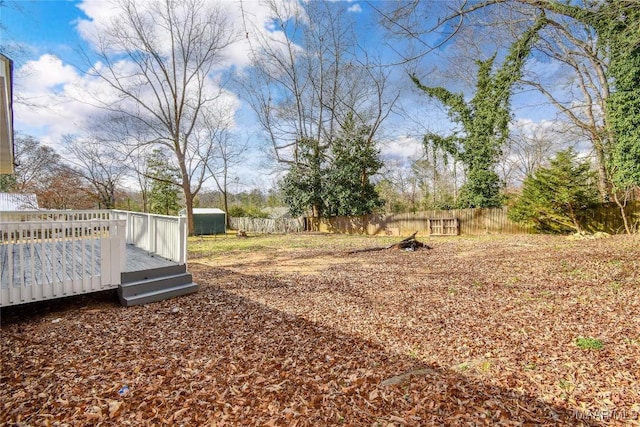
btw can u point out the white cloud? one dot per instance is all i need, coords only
(356, 8)
(59, 101)
(57, 95)
(45, 74)
(530, 128)
(401, 148)
(46, 111)
(251, 20)
(60, 97)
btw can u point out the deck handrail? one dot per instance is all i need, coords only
(48, 258)
(163, 235)
(54, 215)
(85, 249)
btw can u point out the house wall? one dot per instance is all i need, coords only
(6, 116)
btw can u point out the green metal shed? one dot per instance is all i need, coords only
(208, 221)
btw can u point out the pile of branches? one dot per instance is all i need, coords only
(408, 244)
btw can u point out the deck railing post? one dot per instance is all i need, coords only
(149, 233)
(182, 232)
(129, 228)
(120, 244)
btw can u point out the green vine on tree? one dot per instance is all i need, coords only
(484, 121)
(617, 24)
(623, 106)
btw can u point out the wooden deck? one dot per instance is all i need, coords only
(41, 262)
(53, 254)
(140, 260)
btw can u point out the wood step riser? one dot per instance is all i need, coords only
(159, 295)
(137, 276)
(155, 284)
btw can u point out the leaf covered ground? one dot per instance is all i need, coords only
(507, 330)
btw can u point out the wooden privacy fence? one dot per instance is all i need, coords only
(470, 221)
(268, 225)
(605, 218)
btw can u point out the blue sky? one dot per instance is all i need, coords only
(43, 27)
(47, 31)
(47, 24)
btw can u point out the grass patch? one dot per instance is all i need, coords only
(589, 343)
(615, 286)
(199, 246)
(463, 367)
(485, 366)
(203, 246)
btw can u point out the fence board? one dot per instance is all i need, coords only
(608, 218)
(471, 221)
(268, 225)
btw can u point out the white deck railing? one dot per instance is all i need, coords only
(161, 235)
(46, 215)
(51, 254)
(46, 255)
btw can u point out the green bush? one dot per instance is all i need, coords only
(246, 212)
(555, 199)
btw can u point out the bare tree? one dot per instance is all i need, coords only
(99, 165)
(398, 187)
(41, 170)
(308, 75)
(570, 45)
(530, 146)
(124, 138)
(138, 159)
(158, 60)
(36, 164)
(65, 190)
(227, 154)
(581, 89)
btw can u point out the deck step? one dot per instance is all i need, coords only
(154, 286)
(136, 276)
(159, 295)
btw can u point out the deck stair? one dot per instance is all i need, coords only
(141, 287)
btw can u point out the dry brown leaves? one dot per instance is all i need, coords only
(473, 332)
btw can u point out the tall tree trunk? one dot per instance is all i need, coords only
(604, 184)
(189, 202)
(186, 189)
(574, 219)
(225, 201)
(621, 205)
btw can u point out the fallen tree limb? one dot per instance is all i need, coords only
(410, 243)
